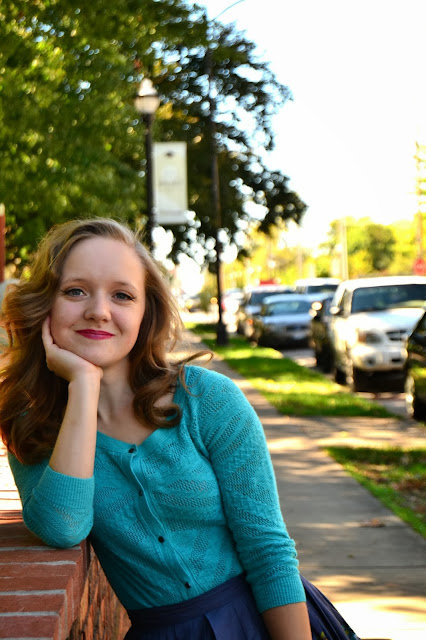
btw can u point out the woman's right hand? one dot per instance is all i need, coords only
(74, 451)
(63, 363)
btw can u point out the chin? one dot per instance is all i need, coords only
(81, 353)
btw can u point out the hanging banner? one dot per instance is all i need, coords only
(170, 182)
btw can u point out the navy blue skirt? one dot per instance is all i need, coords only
(229, 612)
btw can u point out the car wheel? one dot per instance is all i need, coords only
(358, 380)
(327, 361)
(318, 358)
(339, 375)
(415, 408)
(328, 365)
(355, 378)
(262, 341)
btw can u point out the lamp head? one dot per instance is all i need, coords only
(146, 99)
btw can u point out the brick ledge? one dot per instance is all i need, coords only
(46, 593)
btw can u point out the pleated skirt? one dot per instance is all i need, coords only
(229, 612)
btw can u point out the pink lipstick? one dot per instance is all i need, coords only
(93, 334)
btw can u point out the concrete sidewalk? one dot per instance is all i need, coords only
(369, 563)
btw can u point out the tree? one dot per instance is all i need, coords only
(370, 246)
(70, 140)
(222, 62)
(406, 246)
(380, 245)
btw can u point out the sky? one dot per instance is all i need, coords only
(356, 70)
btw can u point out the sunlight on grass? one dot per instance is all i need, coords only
(397, 477)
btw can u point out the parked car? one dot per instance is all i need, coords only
(371, 319)
(232, 298)
(415, 371)
(316, 285)
(252, 303)
(283, 320)
(319, 333)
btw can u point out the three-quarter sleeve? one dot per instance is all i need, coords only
(235, 441)
(56, 507)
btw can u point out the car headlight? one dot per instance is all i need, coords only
(368, 337)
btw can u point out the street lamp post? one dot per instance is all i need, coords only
(146, 103)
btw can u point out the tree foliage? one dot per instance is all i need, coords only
(371, 246)
(70, 140)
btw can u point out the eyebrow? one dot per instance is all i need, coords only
(79, 279)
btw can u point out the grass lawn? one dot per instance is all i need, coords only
(397, 477)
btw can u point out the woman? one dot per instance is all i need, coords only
(163, 464)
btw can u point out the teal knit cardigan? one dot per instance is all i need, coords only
(189, 508)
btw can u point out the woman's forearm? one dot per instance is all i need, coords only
(289, 622)
(74, 451)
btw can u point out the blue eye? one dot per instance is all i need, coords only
(73, 292)
(123, 296)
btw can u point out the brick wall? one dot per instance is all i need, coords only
(50, 594)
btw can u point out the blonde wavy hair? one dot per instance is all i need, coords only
(32, 398)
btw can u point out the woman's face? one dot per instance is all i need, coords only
(100, 303)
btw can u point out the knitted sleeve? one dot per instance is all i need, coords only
(56, 507)
(236, 444)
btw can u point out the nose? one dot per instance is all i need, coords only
(98, 308)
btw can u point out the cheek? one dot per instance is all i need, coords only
(60, 318)
(133, 327)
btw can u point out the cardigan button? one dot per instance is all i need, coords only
(187, 585)
(160, 539)
(132, 450)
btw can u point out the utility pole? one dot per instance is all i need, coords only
(344, 270)
(221, 333)
(420, 158)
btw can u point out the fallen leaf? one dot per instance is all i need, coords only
(374, 523)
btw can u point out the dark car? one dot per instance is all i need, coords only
(415, 371)
(319, 333)
(283, 320)
(251, 305)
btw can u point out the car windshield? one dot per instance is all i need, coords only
(287, 307)
(388, 297)
(321, 288)
(257, 297)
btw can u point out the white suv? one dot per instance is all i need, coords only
(370, 320)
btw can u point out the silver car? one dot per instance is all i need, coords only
(283, 320)
(252, 303)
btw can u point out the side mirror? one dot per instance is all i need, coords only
(336, 311)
